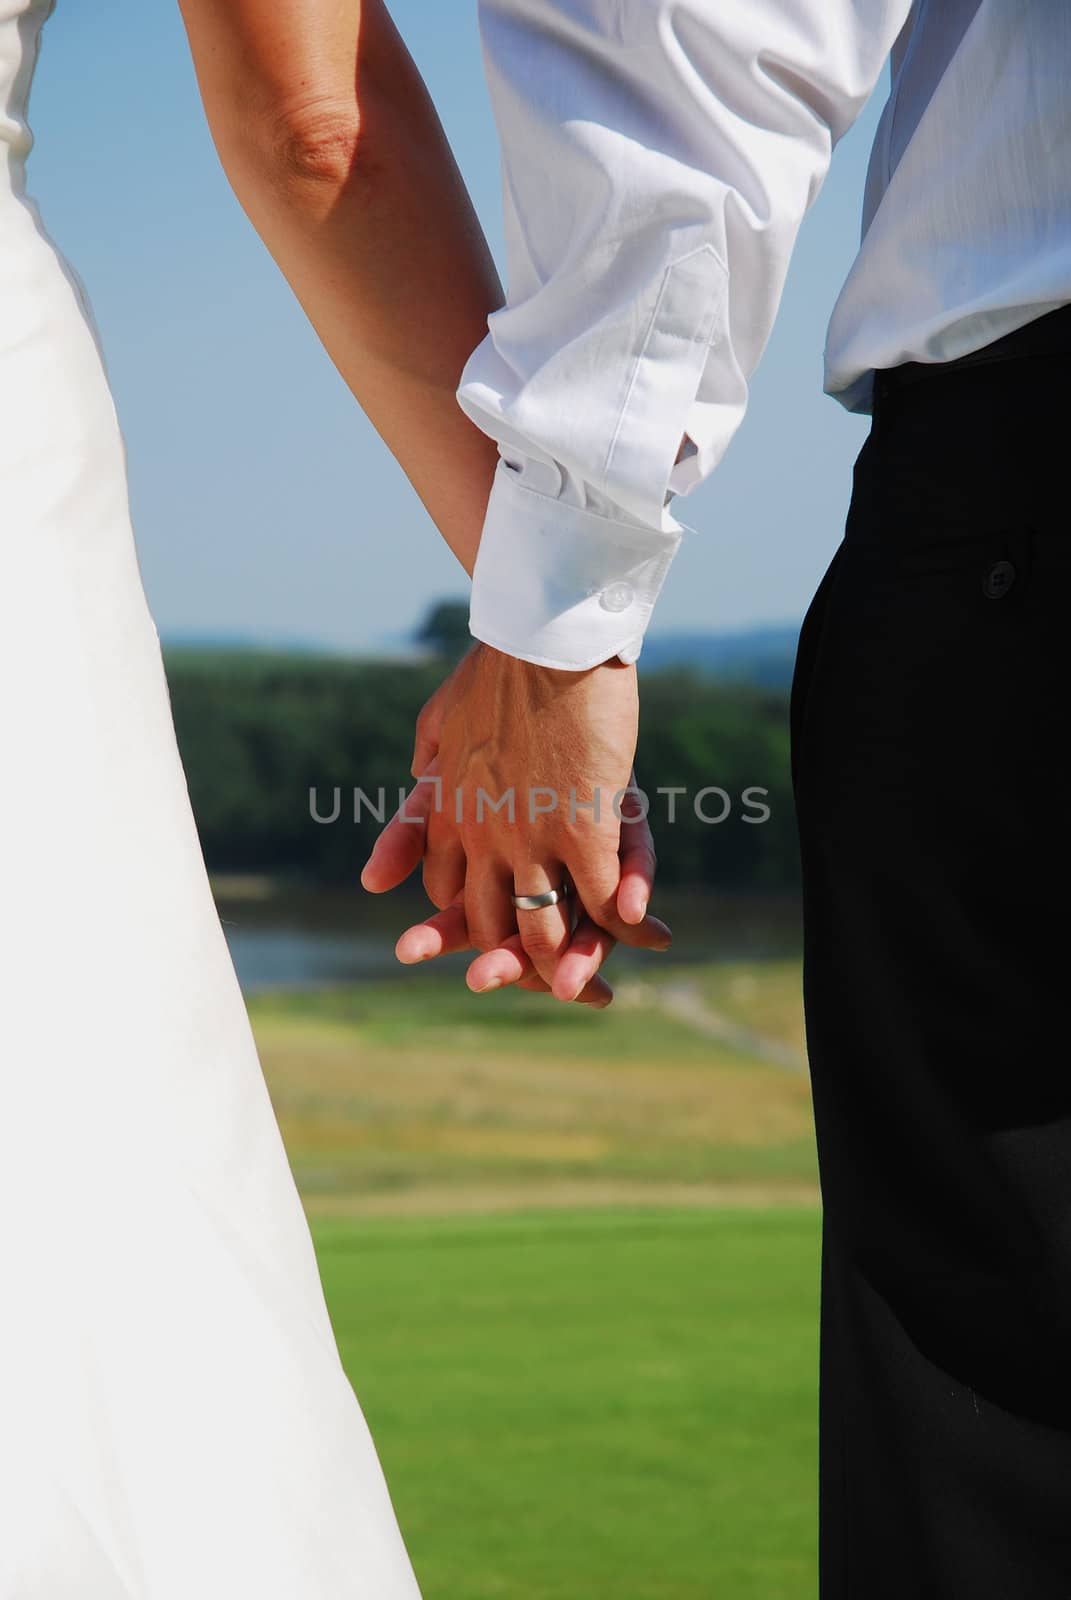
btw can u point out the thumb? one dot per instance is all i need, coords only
(428, 731)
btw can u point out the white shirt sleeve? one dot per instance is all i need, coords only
(658, 159)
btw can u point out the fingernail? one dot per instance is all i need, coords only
(643, 909)
(492, 983)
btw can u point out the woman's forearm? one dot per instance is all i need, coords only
(333, 147)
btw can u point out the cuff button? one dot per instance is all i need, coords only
(617, 597)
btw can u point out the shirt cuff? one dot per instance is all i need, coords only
(562, 586)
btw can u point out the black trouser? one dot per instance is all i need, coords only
(931, 719)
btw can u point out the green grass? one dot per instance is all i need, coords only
(572, 1262)
(592, 1405)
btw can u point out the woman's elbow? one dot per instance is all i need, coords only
(316, 143)
(306, 150)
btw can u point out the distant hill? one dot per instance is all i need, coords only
(206, 641)
(760, 656)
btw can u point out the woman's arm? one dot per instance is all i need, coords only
(333, 147)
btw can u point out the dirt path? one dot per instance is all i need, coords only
(684, 1003)
(459, 1200)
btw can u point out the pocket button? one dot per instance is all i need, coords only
(998, 580)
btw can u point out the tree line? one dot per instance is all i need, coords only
(267, 738)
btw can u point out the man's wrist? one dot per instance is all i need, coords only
(539, 673)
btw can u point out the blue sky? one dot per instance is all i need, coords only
(264, 504)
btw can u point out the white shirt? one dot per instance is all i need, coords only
(658, 159)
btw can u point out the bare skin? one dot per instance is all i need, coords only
(333, 147)
(499, 724)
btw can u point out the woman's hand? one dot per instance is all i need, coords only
(497, 724)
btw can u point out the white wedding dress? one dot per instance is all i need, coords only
(174, 1420)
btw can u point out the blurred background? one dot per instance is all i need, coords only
(571, 1259)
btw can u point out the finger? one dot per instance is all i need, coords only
(400, 847)
(428, 728)
(545, 932)
(597, 994)
(509, 964)
(505, 964)
(425, 749)
(430, 721)
(588, 949)
(488, 907)
(438, 935)
(637, 860)
(596, 879)
(444, 868)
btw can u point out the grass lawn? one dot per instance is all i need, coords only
(415, 1095)
(590, 1405)
(572, 1261)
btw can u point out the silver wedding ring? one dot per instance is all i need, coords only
(539, 902)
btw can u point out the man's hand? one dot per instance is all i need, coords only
(526, 778)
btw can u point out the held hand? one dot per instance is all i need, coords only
(400, 848)
(525, 780)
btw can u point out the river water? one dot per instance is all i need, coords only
(295, 937)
